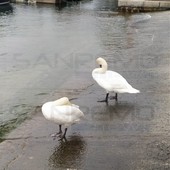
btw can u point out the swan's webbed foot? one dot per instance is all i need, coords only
(55, 135)
(105, 100)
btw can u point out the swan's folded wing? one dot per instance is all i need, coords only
(116, 80)
(67, 114)
(111, 81)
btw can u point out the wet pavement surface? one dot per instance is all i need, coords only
(132, 133)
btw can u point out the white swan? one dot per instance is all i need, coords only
(62, 112)
(110, 80)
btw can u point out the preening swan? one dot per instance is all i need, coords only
(62, 112)
(111, 81)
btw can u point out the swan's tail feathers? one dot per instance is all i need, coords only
(132, 90)
(75, 106)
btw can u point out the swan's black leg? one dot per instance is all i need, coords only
(60, 130)
(107, 95)
(64, 135)
(106, 99)
(114, 97)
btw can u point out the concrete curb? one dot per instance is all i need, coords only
(142, 5)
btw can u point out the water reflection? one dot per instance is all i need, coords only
(69, 154)
(66, 3)
(111, 112)
(128, 118)
(5, 9)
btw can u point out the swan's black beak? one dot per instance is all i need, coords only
(100, 66)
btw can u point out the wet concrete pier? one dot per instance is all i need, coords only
(143, 5)
(44, 1)
(47, 1)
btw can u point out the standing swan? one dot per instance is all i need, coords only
(110, 80)
(62, 112)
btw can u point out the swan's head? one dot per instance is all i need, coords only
(62, 101)
(102, 63)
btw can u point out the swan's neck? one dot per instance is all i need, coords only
(62, 101)
(102, 69)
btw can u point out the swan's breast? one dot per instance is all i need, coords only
(46, 110)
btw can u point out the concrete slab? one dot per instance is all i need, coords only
(46, 1)
(132, 3)
(151, 4)
(165, 4)
(142, 5)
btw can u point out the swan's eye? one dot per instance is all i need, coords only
(100, 66)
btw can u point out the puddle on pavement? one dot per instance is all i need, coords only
(69, 154)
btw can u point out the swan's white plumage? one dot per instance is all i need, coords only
(62, 112)
(110, 80)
